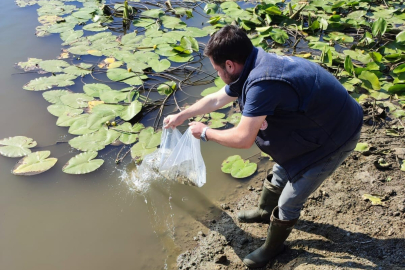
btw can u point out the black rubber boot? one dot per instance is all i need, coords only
(267, 202)
(277, 233)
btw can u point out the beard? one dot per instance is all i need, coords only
(230, 77)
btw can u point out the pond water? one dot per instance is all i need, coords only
(59, 221)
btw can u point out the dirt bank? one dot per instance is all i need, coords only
(338, 228)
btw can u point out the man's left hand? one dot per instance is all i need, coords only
(196, 129)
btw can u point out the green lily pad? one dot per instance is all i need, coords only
(76, 100)
(34, 163)
(53, 65)
(362, 147)
(94, 27)
(139, 150)
(77, 71)
(370, 80)
(30, 65)
(79, 126)
(46, 83)
(83, 163)
(113, 96)
(167, 88)
(68, 118)
(95, 89)
(153, 13)
(88, 142)
(54, 96)
(243, 169)
(130, 111)
(227, 164)
(234, 119)
(159, 66)
(17, 146)
(70, 36)
(59, 109)
(180, 58)
(98, 119)
(122, 75)
(217, 123)
(129, 133)
(149, 137)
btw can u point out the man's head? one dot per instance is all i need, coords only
(228, 50)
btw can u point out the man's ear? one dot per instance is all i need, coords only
(230, 66)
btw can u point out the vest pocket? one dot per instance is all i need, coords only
(302, 144)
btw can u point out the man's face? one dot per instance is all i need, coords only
(224, 74)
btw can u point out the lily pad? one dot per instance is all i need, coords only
(83, 163)
(149, 137)
(46, 83)
(129, 112)
(54, 96)
(234, 119)
(243, 169)
(167, 88)
(159, 66)
(95, 89)
(53, 65)
(59, 109)
(139, 150)
(362, 147)
(94, 27)
(17, 146)
(76, 100)
(227, 164)
(34, 163)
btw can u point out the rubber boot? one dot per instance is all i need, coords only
(277, 233)
(268, 200)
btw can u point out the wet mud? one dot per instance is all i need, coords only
(338, 228)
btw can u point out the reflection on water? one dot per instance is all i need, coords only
(59, 221)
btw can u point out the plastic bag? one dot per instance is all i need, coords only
(185, 163)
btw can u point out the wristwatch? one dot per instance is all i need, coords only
(203, 136)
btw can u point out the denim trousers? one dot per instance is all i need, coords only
(294, 195)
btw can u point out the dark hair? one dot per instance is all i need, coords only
(229, 43)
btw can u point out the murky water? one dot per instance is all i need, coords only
(59, 221)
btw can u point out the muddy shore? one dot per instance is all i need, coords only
(338, 229)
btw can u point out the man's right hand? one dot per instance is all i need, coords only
(173, 121)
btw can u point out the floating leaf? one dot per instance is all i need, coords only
(234, 119)
(54, 96)
(159, 66)
(94, 27)
(88, 142)
(83, 163)
(243, 169)
(153, 13)
(122, 75)
(130, 111)
(139, 150)
(59, 109)
(278, 35)
(128, 132)
(227, 164)
(76, 100)
(370, 80)
(362, 147)
(17, 146)
(30, 65)
(53, 65)
(180, 58)
(95, 89)
(149, 137)
(34, 163)
(46, 83)
(167, 88)
(379, 27)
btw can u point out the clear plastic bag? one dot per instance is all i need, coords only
(185, 164)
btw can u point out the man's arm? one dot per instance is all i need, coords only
(205, 105)
(241, 136)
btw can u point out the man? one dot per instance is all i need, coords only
(294, 110)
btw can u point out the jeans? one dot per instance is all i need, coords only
(294, 195)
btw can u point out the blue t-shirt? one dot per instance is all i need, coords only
(267, 97)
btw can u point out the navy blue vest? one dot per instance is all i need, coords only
(327, 116)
